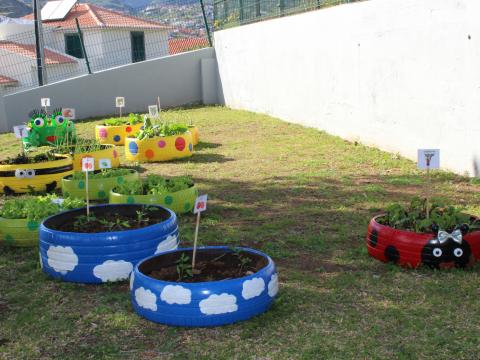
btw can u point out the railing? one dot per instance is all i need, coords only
(231, 13)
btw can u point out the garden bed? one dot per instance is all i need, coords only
(115, 131)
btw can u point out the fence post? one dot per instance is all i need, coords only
(281, 5)
(241, 11)
(82, 45)
(206, 23)
(39, 45)
(225, 10)
(257, 8)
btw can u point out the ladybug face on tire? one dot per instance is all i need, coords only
(447, 250)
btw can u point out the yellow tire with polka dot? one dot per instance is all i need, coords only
(180, 202)
(108, 152)
(115, 134)
(19, 232)
(98, 189)
(161, 148)
(41, 177)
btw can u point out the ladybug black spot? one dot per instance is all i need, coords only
(392, 254)
(373, 239)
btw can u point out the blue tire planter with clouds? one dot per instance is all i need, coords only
(202, 304)
(103, 256)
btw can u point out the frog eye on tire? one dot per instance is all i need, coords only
(60, 120)
(458, 252)
(437, 252)
(29, 173)
(39, 122)
(20, 174)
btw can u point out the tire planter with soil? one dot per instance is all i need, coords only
(98, 189)
(161, 148)
(19, 232)
(195, 134)
(41, 177)
(103, 256)
(410, 249)
(115, 135)
(202, 304)
(180, 202)
(108, 152)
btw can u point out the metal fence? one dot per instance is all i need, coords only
(92, 39)
(230, 13)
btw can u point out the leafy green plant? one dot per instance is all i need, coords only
(83, 221)
(38, 207)
(159, 130)
(81, 146)
(24, 158)
(132, 119)
(413, 217)
(155, 185)
(184, 267)
(102, 174)
(115, 225)
(244, 260)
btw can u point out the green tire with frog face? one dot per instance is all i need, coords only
(98, 189)
(18, 232)
(180, 202)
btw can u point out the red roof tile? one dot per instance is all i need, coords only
(5, 80)
(92, 16)
(176, 46)
(28, 50)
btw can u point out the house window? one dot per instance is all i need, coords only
(73, 45)
(138, 46)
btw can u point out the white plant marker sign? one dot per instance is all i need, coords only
(68, 113)
(88, 164)
(45, 102)
(105, 164)
(20, 131)
(153, 111)
(120, 103)
(200, 206)
(428, 159)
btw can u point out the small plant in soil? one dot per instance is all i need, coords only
(413, 217)
(81, 146)
(25, 158)
(184, 267)
(102, 174)
(155, 185)
(132, 119)
(160, 130)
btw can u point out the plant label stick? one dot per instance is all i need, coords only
(105, 164)
(45, 103)
(428, 159)
(200, 206)
(68, 113)
(153, 111)
(21, 132)
(88, 164)
(120, 103)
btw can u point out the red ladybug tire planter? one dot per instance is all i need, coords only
(409, 249)
(202, 304)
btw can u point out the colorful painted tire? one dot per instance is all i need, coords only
(159, 148)
(98, 189)
(180, 202)
(44, 176)
(203, 304)
(410, 249)
(109, 152)
(195, 134)
(19, 232)
(115, 134)
(102, 257)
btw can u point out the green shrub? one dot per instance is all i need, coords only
(155, 185)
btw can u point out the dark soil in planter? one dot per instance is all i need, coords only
(108, 219)
(24, 159)
(211, 265)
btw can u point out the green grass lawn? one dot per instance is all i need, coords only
(305, 198)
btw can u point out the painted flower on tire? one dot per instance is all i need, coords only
(62, 259)
(219, 304)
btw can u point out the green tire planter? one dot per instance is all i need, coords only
(180, 202)
(98, 189)
(19, 232)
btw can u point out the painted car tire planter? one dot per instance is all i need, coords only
(410, 249)
(19, 232)
(180, 202)
(104, 256)
(109, 152)
(161, 148)
(98, 189)
(195, 134)
(202, 304)
(42, 176)
(115, 135)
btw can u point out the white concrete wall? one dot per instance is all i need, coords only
(177, 79)
(397, 74)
